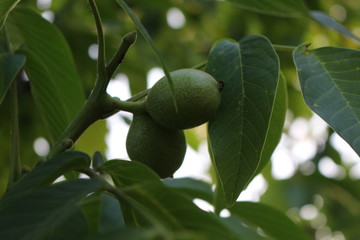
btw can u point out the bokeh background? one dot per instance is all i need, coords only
(313, 176)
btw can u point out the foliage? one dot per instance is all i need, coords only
(51, 87)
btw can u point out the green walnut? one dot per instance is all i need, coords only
(160, 148)
(197, 95)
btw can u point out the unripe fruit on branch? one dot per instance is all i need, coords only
(197, 96)
(162, 149)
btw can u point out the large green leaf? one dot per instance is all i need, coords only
(40, 211)
(283, 8)
(46, 173)
(10, 66)
(273, 222)
(46, 95)
(276, 124)
(49, 49)
(6, 7)
(330, 83)
(237, 134)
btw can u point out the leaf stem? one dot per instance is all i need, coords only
(94, 109)
(118, 57)
(99, 104)
(283, 48)
(101, 65)
(127, 106)
(139, 96)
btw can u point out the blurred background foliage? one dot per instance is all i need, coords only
(320, 188)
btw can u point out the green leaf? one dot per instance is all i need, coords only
(38, 212)
(123, 233)
(110, 217)
(73, 227)
(126, 173)
(46, 95)
(6, 7)
(219, 196)
(46, 173)
(282, 8)
(237, 134)
(191, 187)
(48, 47)
(244, 232)
(327, 21)
(98, 160)
(10, 66)
(90, 207)
(329, 79)
(177, 211)
(276, 124)
(273, 222)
